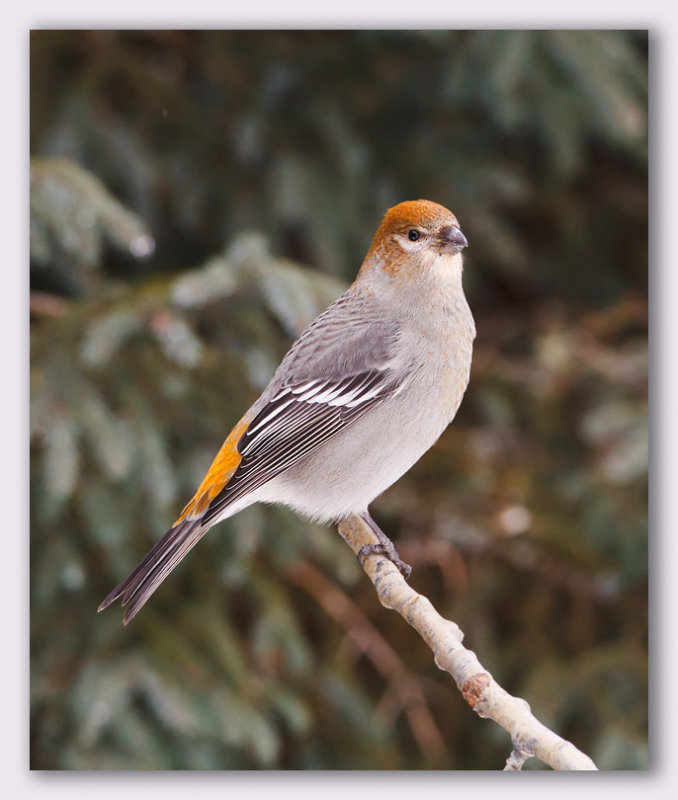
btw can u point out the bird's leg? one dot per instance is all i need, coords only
(384, 548)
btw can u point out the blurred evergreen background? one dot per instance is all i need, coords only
(196, 199)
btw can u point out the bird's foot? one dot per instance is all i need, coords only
(390, 552)
(385, 547)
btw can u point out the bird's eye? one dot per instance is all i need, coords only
(413, 235)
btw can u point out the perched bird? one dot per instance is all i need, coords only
(361, 395)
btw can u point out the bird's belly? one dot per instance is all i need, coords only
(347, 472)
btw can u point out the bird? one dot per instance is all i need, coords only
(366, 389)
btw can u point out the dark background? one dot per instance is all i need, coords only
(196, 199)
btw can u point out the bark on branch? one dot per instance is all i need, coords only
(529, 736)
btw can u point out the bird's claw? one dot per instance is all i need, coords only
(384, 550)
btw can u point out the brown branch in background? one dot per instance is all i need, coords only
(386, 661)
(42, 304)
(529, 736)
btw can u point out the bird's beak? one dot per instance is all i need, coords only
(452, 240)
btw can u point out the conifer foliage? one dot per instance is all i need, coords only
(196, 199)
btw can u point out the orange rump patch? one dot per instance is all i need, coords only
(218, 475)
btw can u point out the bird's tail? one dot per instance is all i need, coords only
(140, 584)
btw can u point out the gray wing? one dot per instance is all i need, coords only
(338, 369)
(349, 337)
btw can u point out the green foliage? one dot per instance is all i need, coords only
(251, 155)
(72, 217)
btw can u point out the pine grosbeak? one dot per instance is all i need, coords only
(365, 390)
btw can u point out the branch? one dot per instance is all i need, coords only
(529, 736)
(384, 658)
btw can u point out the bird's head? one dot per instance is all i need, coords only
(416, 238)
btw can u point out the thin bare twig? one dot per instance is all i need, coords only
(529, 736)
